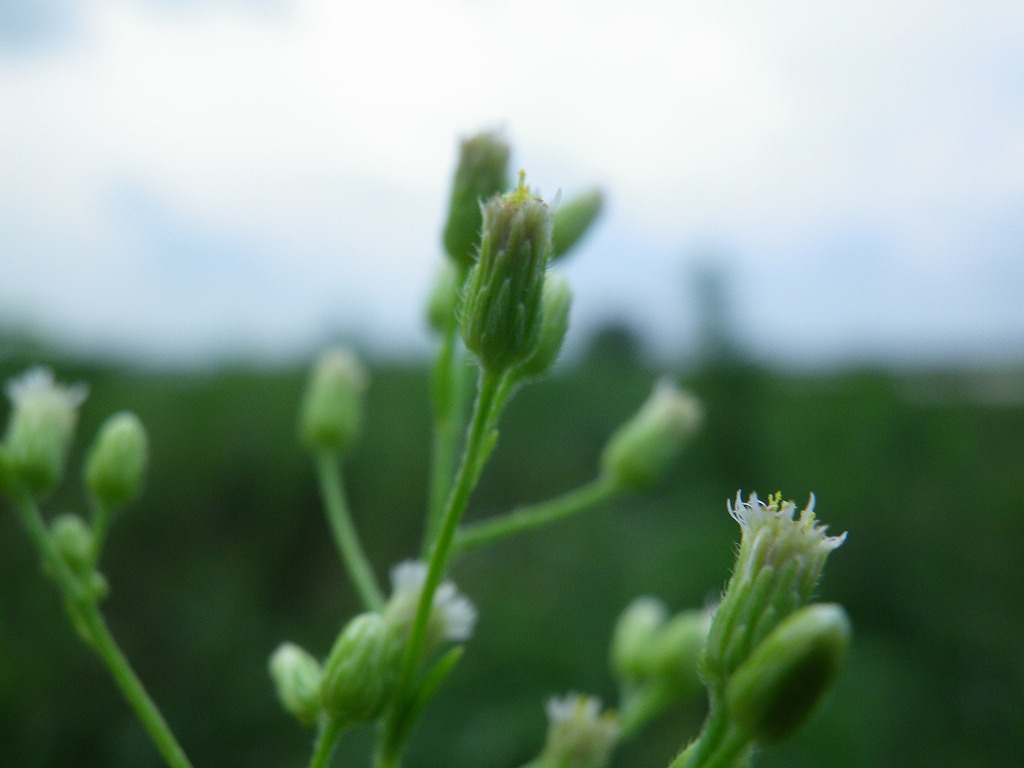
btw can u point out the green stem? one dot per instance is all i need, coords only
(528, 518)
(101, 514)
(345, 536)
(101, 640)
(325, 743)
(478, 445)
(448, 406)
(719, 745)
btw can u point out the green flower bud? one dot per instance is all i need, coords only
(774, 692)
(555, 300)
(362, 670)
(633, 638)
(40, 428)
(482, 172)
(73, 540)
(501, 307)
(116, 464)
(579, 736)
(573, 219)
(332, 410)
(296, 677)
(780, 561)
(675, 654)
(444, 299)
(642, 450)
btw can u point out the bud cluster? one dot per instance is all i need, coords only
(579, 735)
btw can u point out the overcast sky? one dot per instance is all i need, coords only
(181, 180)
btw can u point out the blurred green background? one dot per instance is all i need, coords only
(228, 554)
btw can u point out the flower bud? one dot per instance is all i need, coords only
(633, 638)
(332, 410)
(780, 561)
(296, 677)
(72, 539)
(40, 428)
(675, 654)
(774, 692)
(573, 219)
(555, 300)
(642, 449)
(362, 670)
(501, 306)
(444, 298)
(579, 736)
(482, 172)
(116, 464)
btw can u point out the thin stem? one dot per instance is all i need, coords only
(478, 445)
(719, 745)
(101, 514)
(101, 640)
(447, 399)
(528, 518)
(345, 536)
(325, 743)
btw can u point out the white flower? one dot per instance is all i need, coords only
(39, 383)
(579, 735)
(453, 615)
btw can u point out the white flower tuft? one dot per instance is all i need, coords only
(39, 382)
(579, 735)
(754, 515)
(453, 616)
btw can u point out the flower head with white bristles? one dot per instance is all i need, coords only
(453, 616)
(579, 735)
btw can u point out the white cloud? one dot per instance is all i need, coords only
(318, 140)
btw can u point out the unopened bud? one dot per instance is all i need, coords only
(332, 410)
(116, 465)
(675, 654)
(778, 688)
(482, 172)
(73, 540)
(641, 451)
(579, 735)
(573, 220)
(296, 675)
(556, 300)
(444, 298)
(633, 638)
(40, 428)
(501, 310)
(362, 670)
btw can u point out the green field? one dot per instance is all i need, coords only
(228, 554)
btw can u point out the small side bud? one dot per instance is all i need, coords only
(73, 540)
(579, 735)
(297, 676)
(482, 172)
(633, 638)
(501, 306)
(642, 450)
(362, 670)
(573, 219)
(332, 410)
(555, 300)
(778, 688)
(444, 298)
(116, 465)
(675, 654)
(40, 428)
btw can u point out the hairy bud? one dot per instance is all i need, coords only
(362, 670)
(297, 676)
(573, 220)
(482, 172)
(116, 465)
(332, 410)
(556, 300)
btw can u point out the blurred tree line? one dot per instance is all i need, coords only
(228, 554)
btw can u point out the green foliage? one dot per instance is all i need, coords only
(229, 553)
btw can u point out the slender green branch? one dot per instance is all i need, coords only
(478, 444)
(325, 743)
(82, 607)
(528, 518)
(101, 514)
(719, 745)
(345, 536)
